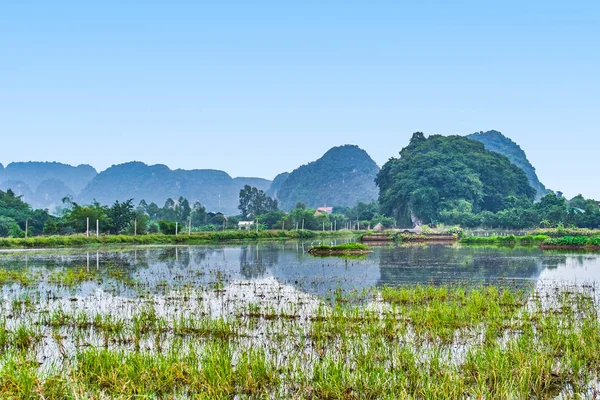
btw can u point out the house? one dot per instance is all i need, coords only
(245, 225)
(324, 210)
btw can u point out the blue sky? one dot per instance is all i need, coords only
(257, 88)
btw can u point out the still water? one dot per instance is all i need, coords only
(288, 264)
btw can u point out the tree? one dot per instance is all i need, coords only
(76, 216)
(255, 202)
(198, 214)
(168, 211)
(50, 227)
(120, 215)
(183, 210)
(167, 227)
(553, 209)
(153, 211)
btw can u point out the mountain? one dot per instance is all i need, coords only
(343, 176)
(51, 192)
(216, 190)
(34, 173)
(497, 142)
(19, 188)
(44, 184)
(259, 183)
(445, 173)
(279, 180)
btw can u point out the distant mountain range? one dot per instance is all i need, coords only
(216, 190)
(44, 184)
(343, 176)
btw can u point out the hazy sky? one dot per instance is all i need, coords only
(257, 88)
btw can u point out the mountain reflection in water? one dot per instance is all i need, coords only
(289, 264)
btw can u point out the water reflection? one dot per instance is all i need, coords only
(290, 265)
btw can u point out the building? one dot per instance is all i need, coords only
(245, 225)
(324, 210)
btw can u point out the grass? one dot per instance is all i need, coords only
(183, 238)
(510, 240)
(342, 249)
(561, 231)
(213, 336)
(393, 342)
(573, 242)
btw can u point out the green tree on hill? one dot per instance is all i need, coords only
(433, 173)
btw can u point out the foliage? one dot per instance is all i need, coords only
(509, 240)
(255, 202)
(575, 241)
(120, 216)
(342, 247)
(167, 227)
(433, 174)
(182, 238)
(15, 214)
(497, 142)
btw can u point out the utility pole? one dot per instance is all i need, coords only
(97, 228)
(26, 227)
(135, 227)
(176, 226)
(87, 229)
(190, 226)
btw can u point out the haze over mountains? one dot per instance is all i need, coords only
(341, 177)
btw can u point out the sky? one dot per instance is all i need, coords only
(256, 88)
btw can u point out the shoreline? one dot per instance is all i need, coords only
(78, 241)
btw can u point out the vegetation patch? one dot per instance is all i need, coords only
(572, 242)
(342, 249)
(418, 341)
(194, 238)
(510, 240)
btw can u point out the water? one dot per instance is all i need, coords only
(154, 268)
(64, 295)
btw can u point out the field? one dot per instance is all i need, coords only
(203, 334)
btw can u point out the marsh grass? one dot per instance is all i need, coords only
(510, 240)
(345, 249)
(583, 242)
(218, 341)
(183, 238)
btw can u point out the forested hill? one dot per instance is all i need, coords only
(497, 142)
(43, 184)
(442, 174)
(216, 190)
(343, 176)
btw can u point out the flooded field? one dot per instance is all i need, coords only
(270, 321)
